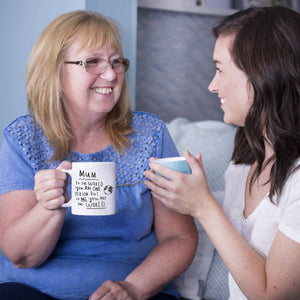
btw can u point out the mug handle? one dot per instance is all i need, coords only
(69, 203)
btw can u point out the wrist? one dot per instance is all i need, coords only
(207, 209)
(135, 292)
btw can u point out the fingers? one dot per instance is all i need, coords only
(50, 187)
(194, 162)
(52, 199)
(156, 190)
(114, 290)
(101, 292)
(164, 172)
(160, 184)
(166, 190)
(66, 165)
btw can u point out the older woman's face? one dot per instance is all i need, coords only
(231, 84)
(84, 94)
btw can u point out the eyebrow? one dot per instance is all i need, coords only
(216, 61)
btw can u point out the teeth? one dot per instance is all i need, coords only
(222, 100)
(103, 90)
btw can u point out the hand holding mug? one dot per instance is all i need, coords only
(49, 187)
(184, 193)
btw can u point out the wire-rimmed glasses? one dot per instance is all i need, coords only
(98, 65)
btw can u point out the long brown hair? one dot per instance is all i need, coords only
(267, 48)
(44, 69)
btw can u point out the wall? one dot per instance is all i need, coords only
(175, 83)
(21, 22)
(125, 11)
(174, 56)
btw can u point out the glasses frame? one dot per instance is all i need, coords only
(83, 63)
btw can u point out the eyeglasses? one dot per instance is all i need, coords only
(98, 65)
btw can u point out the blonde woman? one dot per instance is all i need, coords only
(79, 111)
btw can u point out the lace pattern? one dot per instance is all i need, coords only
(130, 164)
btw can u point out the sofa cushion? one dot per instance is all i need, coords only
(216, 287)
(214, 140)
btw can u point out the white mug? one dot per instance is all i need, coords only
(93, 188)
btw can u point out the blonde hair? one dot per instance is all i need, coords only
(44, 69)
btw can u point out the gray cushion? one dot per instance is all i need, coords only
(207, 275)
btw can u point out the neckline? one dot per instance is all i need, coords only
(80, 154)
(258, 207)
(256, 211)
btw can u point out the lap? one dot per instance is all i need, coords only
(19, 291)
(163, 296)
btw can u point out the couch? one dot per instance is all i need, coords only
(206, 278)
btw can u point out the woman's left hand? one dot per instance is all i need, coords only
(186, 194)
(115, 290)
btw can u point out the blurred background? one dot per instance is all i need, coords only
(168, 42)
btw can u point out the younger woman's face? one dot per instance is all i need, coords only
(231, 84)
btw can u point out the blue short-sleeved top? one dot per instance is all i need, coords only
(91, 249)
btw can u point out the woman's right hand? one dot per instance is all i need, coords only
(49, 186)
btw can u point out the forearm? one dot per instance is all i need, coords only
(30, 238)
(169, 259)
(246, 266)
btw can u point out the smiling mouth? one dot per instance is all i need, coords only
(103, 90)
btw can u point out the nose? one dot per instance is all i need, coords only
(212, 87)
(109, 73)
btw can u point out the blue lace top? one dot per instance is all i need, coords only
(91, 249)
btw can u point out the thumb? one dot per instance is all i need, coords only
(192, 161)
(190, 158)
(198, 157)
(65, 165)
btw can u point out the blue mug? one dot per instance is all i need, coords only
(175, 163)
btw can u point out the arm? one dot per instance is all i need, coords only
(277, 277)
(177, 243)
(30, 221)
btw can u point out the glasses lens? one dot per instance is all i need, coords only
(98, 65)
(120, 65)
(95, 65)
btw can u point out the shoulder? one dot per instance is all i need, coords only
(145, 123)
(24, 131)
(22, 125)
(236, 170)
(147, 129)
(26, 136)
(140, 117)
